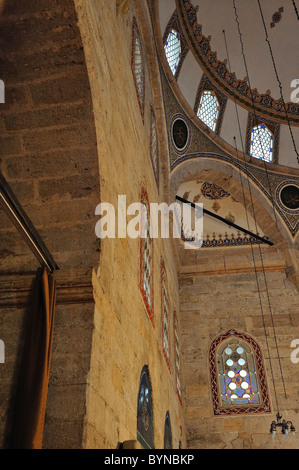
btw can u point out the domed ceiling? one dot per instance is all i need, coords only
(214, 35)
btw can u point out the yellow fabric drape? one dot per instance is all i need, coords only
(34, 377)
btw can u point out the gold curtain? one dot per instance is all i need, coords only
(34, 377)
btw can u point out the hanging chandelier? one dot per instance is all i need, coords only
(285, 426)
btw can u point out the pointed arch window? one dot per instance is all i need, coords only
(145, 422)
(238, 378)
(167, 432)
(261, 144)
(210, 104)
(208, 109)
(165, 313)
(146, 259)
(173, 49)
(262, 138)
(137, 66)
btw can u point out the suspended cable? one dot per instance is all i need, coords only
(254, 109)
(277, 78)
(258, 287)
(295, 8)
(254, 215)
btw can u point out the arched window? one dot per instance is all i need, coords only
(138, 66)
(261, 145)
(208, 109)
(145, 425)
(167, 432)
(146, 260)
(154, 146)
(237, 375)
(165, 315)
(173, 50)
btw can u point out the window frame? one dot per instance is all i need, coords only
(218, 408)
(141, 437)
(149, 308)
(165, 290)
(273, 128)
(206, 85)
(174, 23)
(139, 92)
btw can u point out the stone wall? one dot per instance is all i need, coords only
(124, 339)
(48, 153)
(221, 294)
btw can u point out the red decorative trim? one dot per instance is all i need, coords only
(156, 170)
(140, 98)
(150, 310)
(175, 329)
(219, 409)
(163, 271)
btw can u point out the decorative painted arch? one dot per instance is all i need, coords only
(226, 173)
(236, 364)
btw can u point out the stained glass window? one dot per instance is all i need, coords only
(261, 145)
(167, 432)
(236, 372)
(238, 378)
(138, 66)
(173, 50)
(177, 355)
(208, 109)
(146, 259)
(145, 428)
(154, 146)
(165, 314)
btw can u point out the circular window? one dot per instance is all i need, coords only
(289, 196)
(180, 134)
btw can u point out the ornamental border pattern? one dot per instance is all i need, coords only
(173, 107)
(228, 81)
(218, 409)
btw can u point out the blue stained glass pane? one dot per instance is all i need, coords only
(226, 401)
(254, 383)
(222, 385)
(255, 399)
(241, 401)
(239, 391)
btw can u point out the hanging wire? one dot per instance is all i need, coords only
(258, 284)
(254, 216)
(295, 8)
(254, 109)
(277, 78)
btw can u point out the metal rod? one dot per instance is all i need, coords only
(230, 224)
(19, 218)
